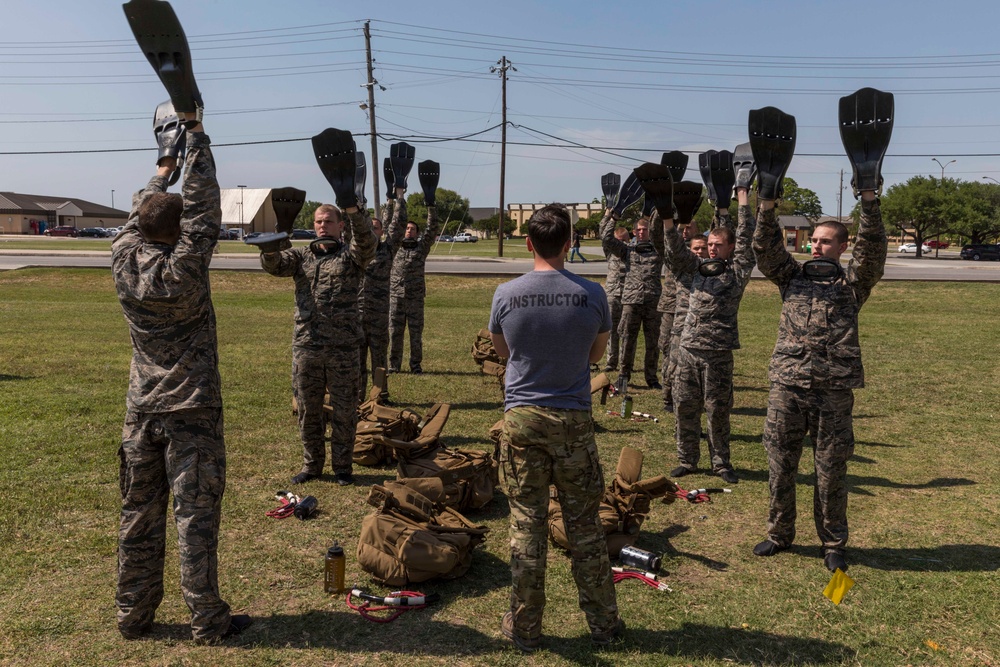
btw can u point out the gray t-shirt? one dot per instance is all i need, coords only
(549, 320)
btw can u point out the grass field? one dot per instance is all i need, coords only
(924, 499)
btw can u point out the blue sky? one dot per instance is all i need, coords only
(635, 81)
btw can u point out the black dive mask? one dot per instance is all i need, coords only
(712, 267)
(332, 243)
(821, 270)
(409, 244)
(644, 246)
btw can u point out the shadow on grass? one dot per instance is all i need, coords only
(760, 389)
(752, 412)
(10, 378)
(943, 558)
(856, 482)
(660, 543)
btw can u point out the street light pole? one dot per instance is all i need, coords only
(934, 159)
(990, 178)
(242, 188)
(113, 197)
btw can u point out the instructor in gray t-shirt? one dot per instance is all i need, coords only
(551, 325)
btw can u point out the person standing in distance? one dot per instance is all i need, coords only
(551, 325)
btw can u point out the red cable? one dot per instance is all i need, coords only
(622, 576)
(286, 510)
(366, 609)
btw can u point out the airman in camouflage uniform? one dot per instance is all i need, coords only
(172, 440)
(640, 294)
(327, 334)
(814, 370)
(550, 324)
(709, 334)
(374, 300)
(407, 291)
(613, 288)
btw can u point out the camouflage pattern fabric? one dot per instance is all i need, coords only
(542, 447)
(634, 316)
(815, 367)
(818, 331)
(333, 371)
(643, 263)
(327, 337)
(179, 452)
(373, 302)
(172, 439)
(666, 369)
(826, 414)
(166, 296)
(407, 290)
(703, 380)
(613, 288)
(703, 371)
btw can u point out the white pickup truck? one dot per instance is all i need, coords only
(465, 237)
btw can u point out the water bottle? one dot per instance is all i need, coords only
(333, 570)
(627, 407)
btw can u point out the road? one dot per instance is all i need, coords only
(947, 267)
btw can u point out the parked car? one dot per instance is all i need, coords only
(251, 236)
(465, 237)
(912, 247)
(113, 231)
(304, 234)
(93, 232)
(62, 231)
(934, 243)
(980, 251)
(446, 238)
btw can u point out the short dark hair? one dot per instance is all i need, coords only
(549, 228)
(839, 229)
(331, 209)
(724, 231)
(160, 216)
(414, 224)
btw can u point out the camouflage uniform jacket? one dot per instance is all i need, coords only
(616, 277)
(683, 281)
(818, 332)
(713, 302)
(326, 285)
(374, 297)
(407, 278)
(643, 262)
(668, 298)
(166, 296)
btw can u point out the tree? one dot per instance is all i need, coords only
(924, 204)
(981, 211)
(452, 208)
(304, 220)
(591, 225)
(489, 225)
(800, 201)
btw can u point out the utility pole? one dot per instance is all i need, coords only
(840, 199)
(376, 168)
(504, 65)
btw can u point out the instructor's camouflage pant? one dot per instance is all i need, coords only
(406, 313)
(543, 447)
(634, 316)
(376, 343)
(614, 341)
(827, 416)
(333, 371)
(666, 369)
(183, 453)
(703, 380)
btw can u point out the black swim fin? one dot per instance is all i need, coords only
(162, 40)
(687, 199)
(334, 150)
(171, 138)
(866, 119)
(360, 176)
(287, 203)
(658, 185)
(772, 140)
(401, 158)
(678, 164)
(390, 187)
(630, 193)
(704, 166)
(744, 166)
(429, 173)
(720, 166)
(611, 183)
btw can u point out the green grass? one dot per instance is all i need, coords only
(924, 504)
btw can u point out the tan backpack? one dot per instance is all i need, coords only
(468, 475)
(624, 507)
(376, 420)
(485, 355)
(411, 538)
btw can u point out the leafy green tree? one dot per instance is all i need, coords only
(925, 205)
(981, 211)
(304, 220)
(590, 226)
(489, 225)
(452, 208)
(800, 201)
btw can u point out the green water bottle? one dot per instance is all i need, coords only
(627, 407)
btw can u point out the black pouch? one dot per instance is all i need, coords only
(712, 267)
(821, 270)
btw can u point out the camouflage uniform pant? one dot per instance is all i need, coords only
(826, 415)
(183, 453)
(634, 316)
(333, 371)
(614, 342)
(376, 343)
(543, 447)
(666, 370)
(703, 379)
(403, 314)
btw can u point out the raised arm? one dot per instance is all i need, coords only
(431, 232)
(743, 255)
(656, 233)
(609, 244)
(773, 259)
(202, 216)
(363, 240)
(868, 262)
(678, 257)
(397, 227)
(283, 263)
